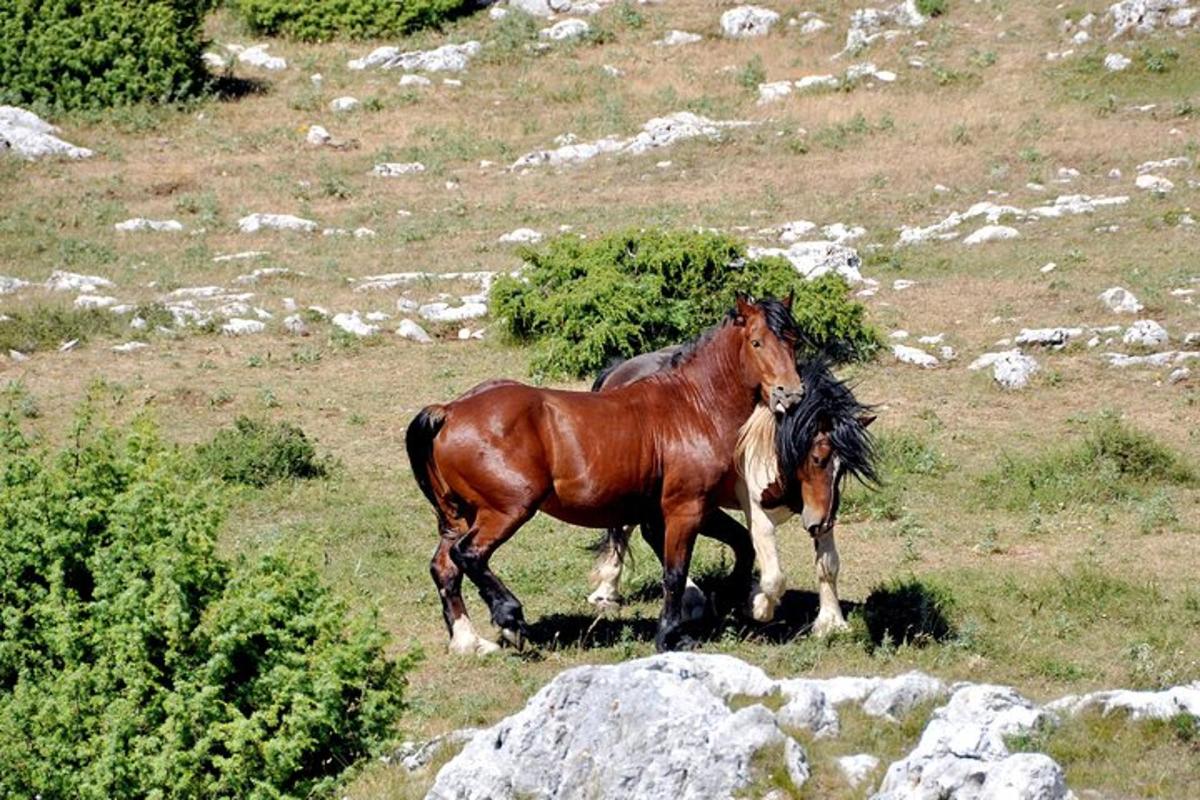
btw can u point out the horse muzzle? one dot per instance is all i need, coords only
(781, 399)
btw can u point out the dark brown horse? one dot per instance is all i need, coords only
(655, 452)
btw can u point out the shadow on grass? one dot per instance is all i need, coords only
(905, 611)
(227, 88)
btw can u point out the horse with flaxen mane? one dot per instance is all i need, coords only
(653, 453)
(788, 466)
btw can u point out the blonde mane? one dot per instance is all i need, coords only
(756, 444)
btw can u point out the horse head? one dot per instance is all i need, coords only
(768, 351)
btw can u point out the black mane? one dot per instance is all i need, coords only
(826, 402)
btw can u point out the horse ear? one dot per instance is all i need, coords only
(866, 419)
(787, 301)
(744, 308)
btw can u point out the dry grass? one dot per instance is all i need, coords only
(984, 126)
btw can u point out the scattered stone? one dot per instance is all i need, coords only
(1178, 375)
(808, 708)
(1120, 300)
(814, 259)
(895, 697)
(142, 224)
(1048, 267)
(1145, 333)
(413, 332)
(245, 255)
(341, 105)
(1154, 183)
(1160, 705)
(68, 346)
(1115, 62)
(991, 233)
(898, 334)
(856, 769)
(265, 272)
(521, 236)
(317, 136)
(900, 284)
(657, 133)
(565, 29)
(129, 347)
(1144, 16)
(444, 312)
(17, 357)
(31, 137)
(675, 38)
(497, 13)
(395, 170)
(8, 285)
(295, 325)
(913, 355)
(932, 340)
(353, 323)
(868, 25)
(611, 71)
(410, 79)
(242, 327)
(867, 69)
(745, 22)
(1048, 337)
(540, 8)
(1120, 360)
(94, 301)
(1178, 162)
(62, 281)
(417, 755)
(275, 222)
(257, 56)
(447, 58)
(1010, 368)
(814, 25)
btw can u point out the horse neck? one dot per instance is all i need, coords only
(715, 377)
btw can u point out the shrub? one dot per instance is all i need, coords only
(321, 20)
(582, 303)
(135, 662)
(1112, 462)
(257, 453)
(932, 8)
(65, 54)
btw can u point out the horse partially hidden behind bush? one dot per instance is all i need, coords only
(655, 453)
(781, 468)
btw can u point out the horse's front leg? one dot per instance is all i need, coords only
(766, 593)
(606, 574)
(829, 618)
(682, 525)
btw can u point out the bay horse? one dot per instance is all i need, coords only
(653, 453)
(784, 467)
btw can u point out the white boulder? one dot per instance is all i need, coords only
(253, 223)
(1145, 333)
(1154, 183)
(565, 29)
(63, 281)
(354, 323)
(447, 58)
(814, 259)
(913, 355)
(257, 56)
(1120, 300)
(242, 327)
(413, 332)
(1115, 62)
(32, 138)
(341, 105)
(142, 224)
(746, 22)
(992, 233)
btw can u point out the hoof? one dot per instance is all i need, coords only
(695, 604)
(476, 646)
(514, 637)
(605, 601)
(762, 608)
(827, 626)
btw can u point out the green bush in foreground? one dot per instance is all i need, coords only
(582, 302)
(257, 453)
(321, 20)
(1111, 462)
(135, 662)
(65, 54)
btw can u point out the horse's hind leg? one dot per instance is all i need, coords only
(448, 577)
(472, 552)
(694, 603)
(728, 531)
(606, 575)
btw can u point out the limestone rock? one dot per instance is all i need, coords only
(32, 138)
(447, 58)
(257, 56)
(353, 323)
(275, 222)
(341, 105)
(1120, 300)
(142, 224)
(991, 233)
(395, 170)
(1115, 62)
(652, 728)
(1145, 333)
(565, 29)
(745, 22)
(676, 38)
(413, 332)
(63, 281)
(1010, 368)
(521, 236)
(1154, 183)
(855, 769)
(913, 355)
(242, 327)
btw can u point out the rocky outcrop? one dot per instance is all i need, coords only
(32, 138)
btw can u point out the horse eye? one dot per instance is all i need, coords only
(755, 343)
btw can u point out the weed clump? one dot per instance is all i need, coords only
(582, 303)
(1111, 463)
(136, 662)
(257, 453)
(46, 327)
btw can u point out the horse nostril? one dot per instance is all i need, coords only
(815, 530)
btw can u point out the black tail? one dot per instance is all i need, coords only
(615, 538)
(419, 441)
